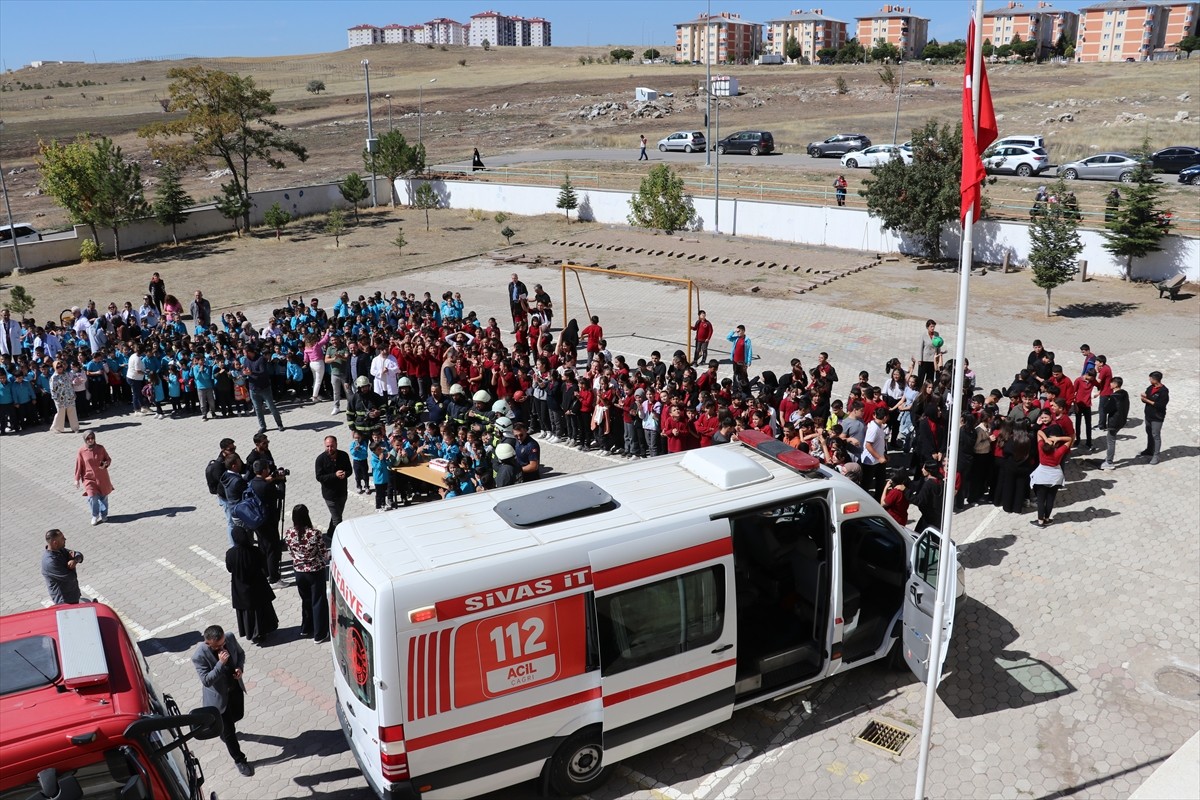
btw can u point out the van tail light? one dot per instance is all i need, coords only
(393, 757)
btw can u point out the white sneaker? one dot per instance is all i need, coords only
(1108, 465)
(336, 410)
(554, 439)
(95, 520)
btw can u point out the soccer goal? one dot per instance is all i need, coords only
(693, 294)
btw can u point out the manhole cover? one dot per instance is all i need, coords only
(886, 736)
(1178, 683)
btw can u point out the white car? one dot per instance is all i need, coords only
(687, 141)
(875, 155)
(22, 232)
(1017, 160)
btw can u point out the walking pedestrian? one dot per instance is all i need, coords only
(518, 300)
(219, 661)
(250, 591)
(91, 471)
(476, 161)
(928, 359)
(642, 154)
(926, 494)
(1052, 446)
(839, 188)
(59, 568)
(1155, 400)
(1117, 416)
(704, 334)
(258, 380)
(310, 563)
(333, 470)
(63, 395)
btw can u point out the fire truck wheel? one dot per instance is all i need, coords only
(578, 765)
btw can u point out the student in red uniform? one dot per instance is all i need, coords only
(1052, 447)
(593, 334)
(1084, 385)
(704, 333)
(895, 501)
(1104, 376)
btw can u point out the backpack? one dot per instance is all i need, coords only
(212, 475)
(249, 512)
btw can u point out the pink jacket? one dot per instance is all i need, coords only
(317, 351)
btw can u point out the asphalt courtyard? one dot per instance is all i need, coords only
(1075, 668)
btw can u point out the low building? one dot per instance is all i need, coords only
(1133, 30)
(723, 38)
(895, 25)
(362, 35)
(812, 30)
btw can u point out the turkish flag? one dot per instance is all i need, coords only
(973, 173)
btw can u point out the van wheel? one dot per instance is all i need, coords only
(578, 765)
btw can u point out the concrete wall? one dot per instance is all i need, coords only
(827, 226)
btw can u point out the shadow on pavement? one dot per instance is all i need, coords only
(169, 511)
(311, 782)
(179, 643)
(982, 677)
(112, 426)
(1103, 779)
(322, 425)
(306, 744)
(1082, 491)
(1102, 308)
(985, 552)
(1084, 515)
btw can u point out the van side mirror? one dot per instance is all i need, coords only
(205, 722)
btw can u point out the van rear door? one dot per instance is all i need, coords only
(924, 560)
(666, 620)
(355, 652)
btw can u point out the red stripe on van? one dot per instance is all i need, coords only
(666, 562)
(512, 717)
(444, 672)
(666, 683)
(421, 675)
(412, 680)
(431, 670)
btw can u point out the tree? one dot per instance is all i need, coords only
(918, 199)
(277, 219)
(620, 54)
(661, 202)
(224, 117)
(792, 50)
(885, 51)
(335, 225)
(400, 241)
(851, 52)
(487, 45)
(395, 157)
(315, 86)
(426, 198)
(1137, 226)
(507, 233)
(354, 189)
(840, 83)
(120, 197)
(19, 301)
(826, 55)
(932, 51)
(988, 49)
(887, 76)
(1189, 43)
(170, 200)
(1069, 52)
(234, 206)
(1060, 45)
(567, 199)
(650, 54)
(68, 174)
(1054, 244)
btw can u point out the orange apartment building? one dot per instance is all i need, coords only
(1132, 30)
(812, 29)
(719, 39)
(896, 25)
(1043, 24)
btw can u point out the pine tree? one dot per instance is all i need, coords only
(233, 205)
(661, 202)
(170, 200)
(277, 219)
(567, 200)
(1054, 244)
(426, 198)
(335, 225)
(354, 189)
(1137, 227)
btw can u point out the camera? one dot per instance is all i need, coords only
(282, 473)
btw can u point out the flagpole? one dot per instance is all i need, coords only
(945, 565)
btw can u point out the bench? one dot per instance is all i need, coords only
(1171, 286)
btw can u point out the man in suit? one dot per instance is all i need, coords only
(518, 300)
(219, 660)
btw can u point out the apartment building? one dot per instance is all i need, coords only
(1042, 23)
(896, 25)
(718, 39)
(401, 34)
(1131, 30)
(445, 31)
(539, 32)
(812, 30)
(363, 35)
(499, 30)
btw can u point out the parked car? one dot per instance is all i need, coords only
(875, 155)
(687, 141)
(838, 145)
(1020, 140)
(1190, 175)
(1016, 160)
(1101, 167)
(755, 143)
(1173, 159)
(23, 232)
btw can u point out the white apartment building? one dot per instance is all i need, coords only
(497, 29)
(445, 31)
(400, 34)
(539, 32)
(361, 35)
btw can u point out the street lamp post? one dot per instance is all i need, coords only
(366, 65)
(388, 97)
(708, 141)
(421, 111)
(12, 231)
(899, 94)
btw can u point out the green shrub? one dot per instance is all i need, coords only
(90, 251)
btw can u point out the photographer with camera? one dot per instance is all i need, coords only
(268, 485)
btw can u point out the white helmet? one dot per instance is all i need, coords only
(500, 407)
(405, 381)
(456, 389)
(503, 424)
(481, 397)
(505, 450)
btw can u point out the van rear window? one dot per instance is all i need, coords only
(27, 664)
(355, 650)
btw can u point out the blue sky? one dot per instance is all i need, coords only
(118, 30)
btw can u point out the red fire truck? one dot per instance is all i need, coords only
(79, 717)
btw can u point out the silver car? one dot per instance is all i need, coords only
(1102, 167)
(687, 141)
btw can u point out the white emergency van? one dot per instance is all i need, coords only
(550, 629)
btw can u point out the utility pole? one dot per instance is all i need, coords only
(708, 86)
(371, 148)
(388, 97)
(421, 111)
(12, 230)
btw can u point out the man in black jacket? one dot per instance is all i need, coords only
(333, 471)
(258, 374)
(1155, 400)
(1117, 410)
(926, 494)
(358, 363)
(270, 494)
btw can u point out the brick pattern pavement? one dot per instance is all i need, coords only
(1074, 668)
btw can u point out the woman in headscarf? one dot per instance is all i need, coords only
(250, 591)
(91, 471)
(63, 395)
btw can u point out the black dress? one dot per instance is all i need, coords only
(251, 593)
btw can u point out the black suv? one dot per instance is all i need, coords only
(839, 144)
(753, 142)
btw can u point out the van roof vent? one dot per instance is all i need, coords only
(724, 468)
(579, 499)
(81, 647)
